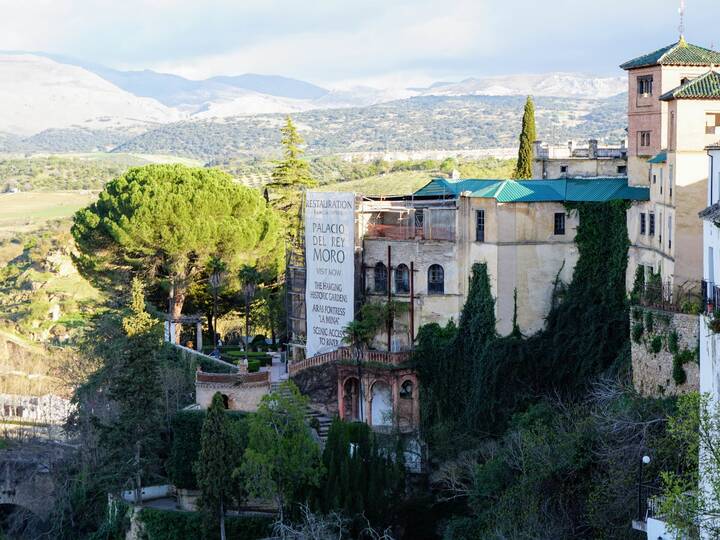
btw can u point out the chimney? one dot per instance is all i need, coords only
(592, 148)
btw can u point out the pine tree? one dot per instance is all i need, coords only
(523, 169)
(289, 177)
(215, 464)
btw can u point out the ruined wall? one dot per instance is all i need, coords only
(241, 397)
(659, 361)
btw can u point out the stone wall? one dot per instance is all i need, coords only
(319, 384)
(652, 368)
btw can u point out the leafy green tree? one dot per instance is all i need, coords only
(289, 177)
(523, 169)
(165, 222)
(215, 464)
(282, 461)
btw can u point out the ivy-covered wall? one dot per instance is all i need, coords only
(169, 525)
(664, 352)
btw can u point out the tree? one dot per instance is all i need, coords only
(135, 390)
(215, 465)
(165, 222)
(523, 169)
(290, 175)
(282, 460)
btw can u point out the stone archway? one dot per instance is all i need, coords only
(351, 399)
(381, 409)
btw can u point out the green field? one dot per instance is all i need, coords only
(26, 212)
(397, 183)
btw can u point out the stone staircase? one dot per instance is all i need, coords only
(314, 418)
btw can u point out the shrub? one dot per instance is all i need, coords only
(637, 332)
(170, 525)
(253, 365)
(656, 344)
(186, 429)
(678, 372)
(691, 307)
(637, 314)
(649, 321)
(672, 343)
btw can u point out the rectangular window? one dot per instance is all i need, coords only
(651, 223)
(622, 169)
(560, 223)
(654, 178)
(660, 229)
(563, 169)
(669, 236)
(645, 85)
(480, 226)
(712, 123)
(644, 137)
(642, 223)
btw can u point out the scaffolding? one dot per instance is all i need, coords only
(295, 280)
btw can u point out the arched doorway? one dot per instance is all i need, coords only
(381, 404)
(351, 400)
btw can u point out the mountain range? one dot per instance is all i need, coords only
(42, 92)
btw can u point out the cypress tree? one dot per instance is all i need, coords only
(289, 177)
(523, 169)
(214, 466)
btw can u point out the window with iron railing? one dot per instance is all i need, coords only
(480, 226)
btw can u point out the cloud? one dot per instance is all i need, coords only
(330, 41)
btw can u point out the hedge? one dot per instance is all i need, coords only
(186, 429)
(170, 525)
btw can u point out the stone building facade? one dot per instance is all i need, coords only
(574, 160)
(673, 114)
(427, 244)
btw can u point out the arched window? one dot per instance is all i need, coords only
(436, 279)
(381, 281)
(406, 390)
(402, 279)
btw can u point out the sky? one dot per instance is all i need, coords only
(338, 43)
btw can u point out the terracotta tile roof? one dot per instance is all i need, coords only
(706, 86)
(681, 53)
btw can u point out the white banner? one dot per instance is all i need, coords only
(330, 266)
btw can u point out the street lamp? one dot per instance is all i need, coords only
(644, 461)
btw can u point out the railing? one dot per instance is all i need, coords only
(404, 232)
(346, 354)
(710, 296)
(648, 501)
(232, 378)
(663, 296)
(204, 356)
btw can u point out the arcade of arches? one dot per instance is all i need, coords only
(386, 398)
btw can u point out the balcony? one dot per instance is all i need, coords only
(405, 232)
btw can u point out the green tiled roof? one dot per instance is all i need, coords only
(706, 86)
(598, 189)
(659, 158)
(677, 54)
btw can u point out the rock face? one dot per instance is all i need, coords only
(319, 383)
(653, 356)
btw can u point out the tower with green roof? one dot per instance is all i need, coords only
(673, 114)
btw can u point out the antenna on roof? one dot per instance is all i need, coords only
(681, 28)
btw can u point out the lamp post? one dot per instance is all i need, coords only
(215, 279)
(644, 461)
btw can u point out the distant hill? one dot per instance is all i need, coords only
(419, 123)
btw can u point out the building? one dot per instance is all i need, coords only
(425, 245)
(673, 114)
(575, 161)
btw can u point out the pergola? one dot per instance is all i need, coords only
(170, 328)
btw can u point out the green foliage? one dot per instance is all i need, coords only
(171, 525)
(186, 442)
(656, 344)
(282, 461)
(528, 135)
(679, 360)
(215, 463)
(649, 321)
(672, 342)
(166, 221)
(637, 332)
(362, 476)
